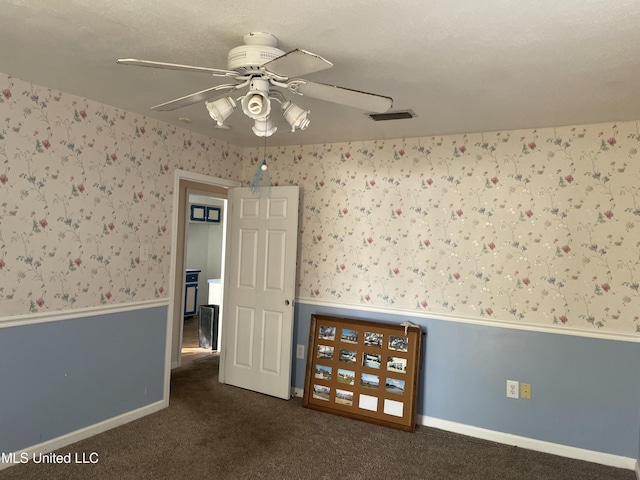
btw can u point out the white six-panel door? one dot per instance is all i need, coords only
(258, 310)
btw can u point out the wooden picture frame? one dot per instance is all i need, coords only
(363, 370)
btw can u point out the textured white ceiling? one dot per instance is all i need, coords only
(460, 65)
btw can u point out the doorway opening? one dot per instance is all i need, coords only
(251, 238)
(186, 184)
(204, 261)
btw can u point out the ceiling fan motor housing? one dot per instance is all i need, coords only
(259, 49)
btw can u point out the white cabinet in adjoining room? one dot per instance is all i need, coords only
(215, 291)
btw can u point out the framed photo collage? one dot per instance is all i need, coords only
(363, 370)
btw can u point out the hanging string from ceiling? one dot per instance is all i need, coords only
(261, 181)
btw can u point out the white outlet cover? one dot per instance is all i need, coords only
(300, 351)
(513, 389)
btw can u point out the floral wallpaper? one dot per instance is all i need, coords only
(532, 226)
(82, 187)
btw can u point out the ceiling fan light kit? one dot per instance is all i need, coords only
(260, 65)
(295, 116)
(256, 104)
(264, 127)
(220, 109)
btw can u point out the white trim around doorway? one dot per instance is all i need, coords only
(177, 216)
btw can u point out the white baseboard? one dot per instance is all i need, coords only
(532, 444)
(471, 431)
(524, 442)
(73, 437)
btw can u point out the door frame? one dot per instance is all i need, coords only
(182, 181)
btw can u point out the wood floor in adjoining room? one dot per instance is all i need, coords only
(190, 349)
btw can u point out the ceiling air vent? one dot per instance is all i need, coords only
(392, 115)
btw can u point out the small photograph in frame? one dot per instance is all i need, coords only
(325, 352)
(369, 381)
(344, 397)
(349, 336)
(397, 364)
(399, 344)
(323, 373)
(347, 356)
(393, 385)
(213, 214)
(321, 392)
(371, 360)
(391, 407)
(326, 333)
(372, 339)
(198, 212)
(347, 377)
(368, 402)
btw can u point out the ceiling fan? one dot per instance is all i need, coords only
(260, 65)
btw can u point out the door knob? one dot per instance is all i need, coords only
(286, 302)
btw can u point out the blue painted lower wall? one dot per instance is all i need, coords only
(585, 391)
(61, 376)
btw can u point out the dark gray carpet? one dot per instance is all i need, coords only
(217, 431)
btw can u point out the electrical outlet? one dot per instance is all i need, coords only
(513, 389)
(525, 391)
(300, 351)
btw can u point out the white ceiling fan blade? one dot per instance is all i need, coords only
(187, 100)
(175, 66)
(297, 63)
(345, 96)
